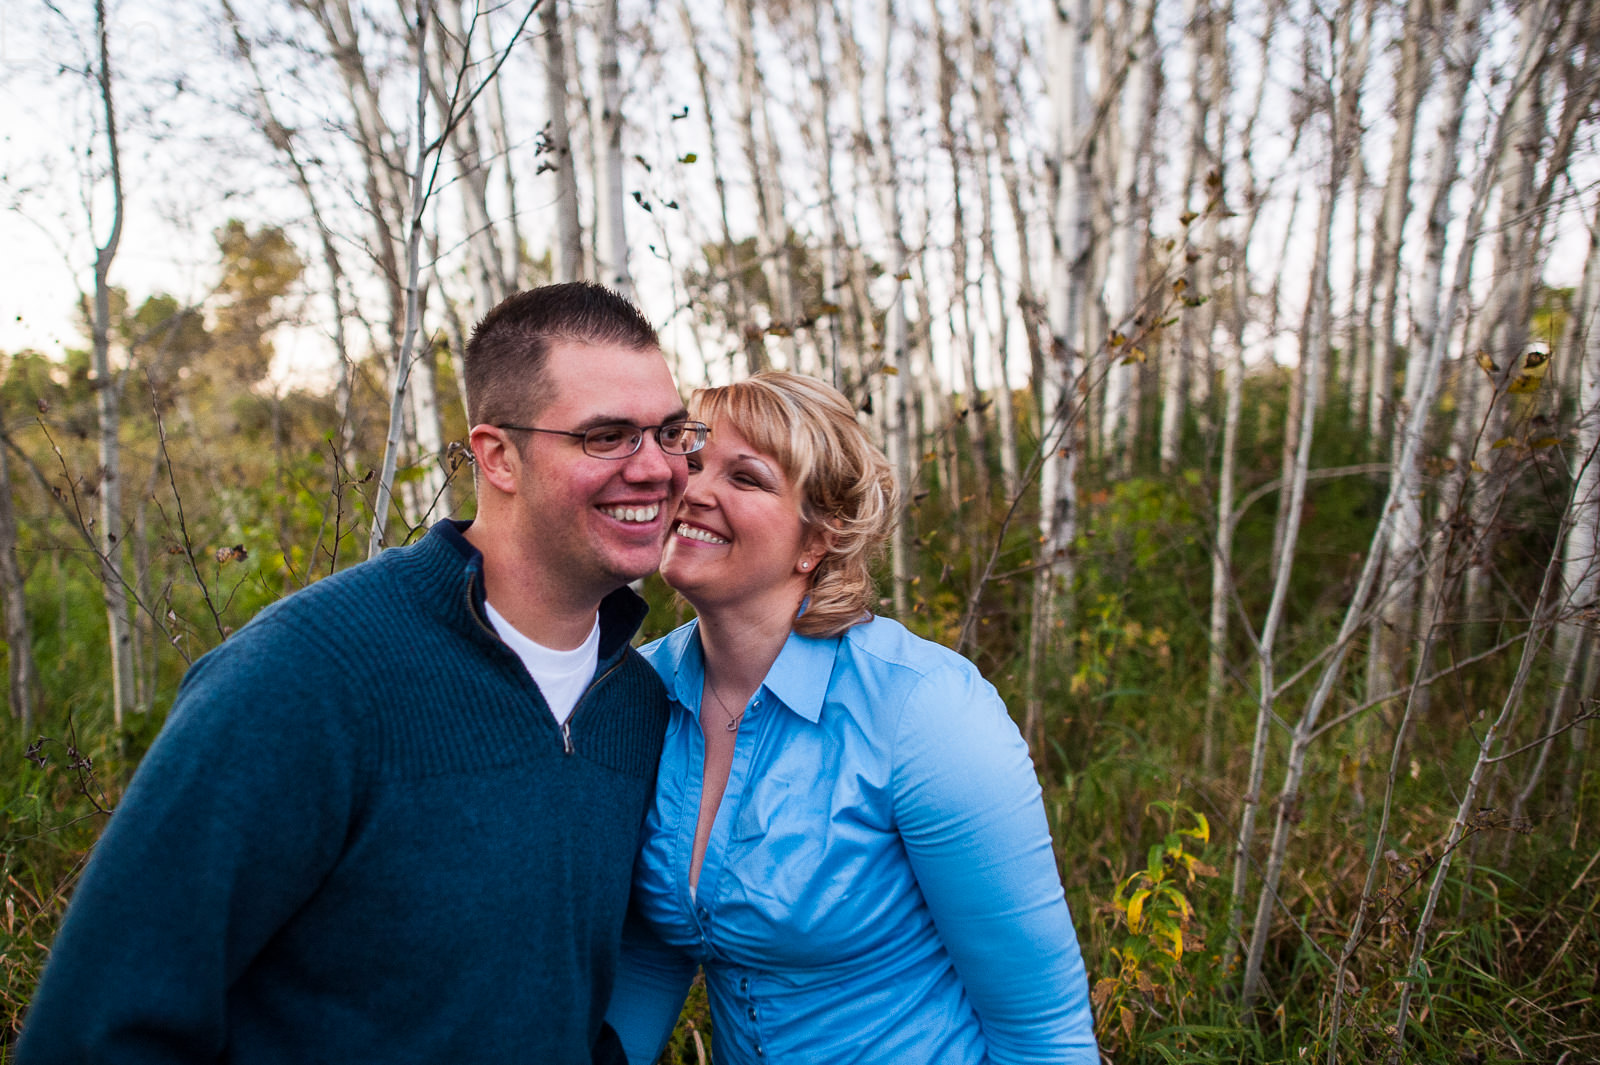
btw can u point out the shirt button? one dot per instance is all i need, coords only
(744, 983)
(759, 1051)
(752, 1012)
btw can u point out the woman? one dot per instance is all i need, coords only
(847, 833)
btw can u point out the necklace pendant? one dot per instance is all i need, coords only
(733, 723)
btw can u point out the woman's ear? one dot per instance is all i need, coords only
(820, 540)
(497, 460)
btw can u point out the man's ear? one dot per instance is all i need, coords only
(498, 460)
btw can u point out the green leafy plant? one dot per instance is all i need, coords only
(1153, 905)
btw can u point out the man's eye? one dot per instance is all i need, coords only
(607, 437)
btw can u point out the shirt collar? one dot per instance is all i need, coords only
(798, 679)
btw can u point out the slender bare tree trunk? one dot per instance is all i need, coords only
(1233, 394)
(108, 396)
(963, 340)
(403, 359)
(1306, 729)
(450, 70)
(750, 333)
(1504, 317)
(820, 134)
(568, 250)
(1493, 740)
(1072, 161)
(1580, 566)
(611, 212)
(979, 55)
(1417, 49)
(897, 354)
(1129, 234)
(772, 231)
(21, 668)
(1293, 494)
(1463, 40)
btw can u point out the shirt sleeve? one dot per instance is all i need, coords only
(652, 981)
(235, 816)
(968, 806)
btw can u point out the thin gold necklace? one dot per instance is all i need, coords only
(733, 718)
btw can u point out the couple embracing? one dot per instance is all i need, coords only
(436, 808)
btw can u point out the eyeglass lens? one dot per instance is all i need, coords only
(675, 438)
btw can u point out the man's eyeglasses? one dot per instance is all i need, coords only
(620, 440)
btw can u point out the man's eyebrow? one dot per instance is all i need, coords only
(598, 420)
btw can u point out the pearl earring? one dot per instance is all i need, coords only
(805, 565)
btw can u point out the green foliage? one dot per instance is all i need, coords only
(238, 496)
(1153, 907)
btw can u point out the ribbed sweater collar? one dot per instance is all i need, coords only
(447, 572)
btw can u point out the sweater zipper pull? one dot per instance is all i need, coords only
(566, 736)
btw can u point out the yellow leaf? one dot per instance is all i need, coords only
(1117, 339)
(1174, 941)
(1525, 383)
(1126, 1016)
(1136, 908)
(892, 371)
(1504, 441)
(1180, 284)
(1546, 441)
(1486, 363)
(1475, 467)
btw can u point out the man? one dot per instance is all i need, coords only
(393, 819)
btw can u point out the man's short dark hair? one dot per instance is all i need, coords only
(505, 359)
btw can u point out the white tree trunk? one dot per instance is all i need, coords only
(1129, 230)
(1070, 249)
(612, 269)
(897, 355)
(1305, 730)
(108, 396)
(21, 667)
(395, 439)
(568, 250)
(750, 334)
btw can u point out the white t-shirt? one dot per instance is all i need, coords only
(562, 676)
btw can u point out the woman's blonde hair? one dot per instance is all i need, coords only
(846, 485)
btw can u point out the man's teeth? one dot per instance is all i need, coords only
(695, 533)
(634, 513)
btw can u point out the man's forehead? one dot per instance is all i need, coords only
(613, 378)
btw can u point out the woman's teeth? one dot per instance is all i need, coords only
(694, 533)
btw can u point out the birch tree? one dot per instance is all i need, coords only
(22, 671)
(568, 246)
(1306, 729)
(1072, 160)
(108, 400)
(611, 210)
(1131, 204)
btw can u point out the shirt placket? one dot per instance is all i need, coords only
(746, 1005)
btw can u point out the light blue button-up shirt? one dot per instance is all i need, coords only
(879, 885)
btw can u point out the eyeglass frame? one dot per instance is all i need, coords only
(700, 430)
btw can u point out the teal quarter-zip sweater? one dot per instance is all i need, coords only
(362, 837)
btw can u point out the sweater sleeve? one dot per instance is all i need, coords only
(652, 981)
(231, 822)
(968, 806)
